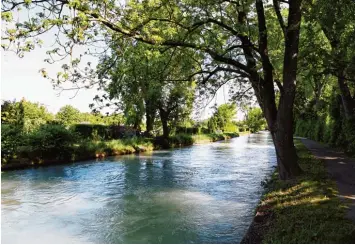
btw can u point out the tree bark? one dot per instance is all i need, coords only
(280, 121)
(283, 137)
(164, 121)
(348, 101)
(150, 117)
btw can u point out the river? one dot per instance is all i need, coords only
(200, 194)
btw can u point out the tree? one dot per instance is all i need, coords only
(336, 21)
(26, 114)
(222, 117)
(232, 37)
(255, 120)
(146, 81)
(11, 112)
(68, 115)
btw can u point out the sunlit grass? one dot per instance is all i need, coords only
(202, 138)
(113, 147)
(307, 210)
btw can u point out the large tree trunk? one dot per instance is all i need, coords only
(283, 137)
(348, 101)
(283, 140)
(280, 121)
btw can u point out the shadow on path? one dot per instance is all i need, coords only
(341, 169)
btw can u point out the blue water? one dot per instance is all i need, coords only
(199, 194)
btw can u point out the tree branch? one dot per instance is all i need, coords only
(279, 16)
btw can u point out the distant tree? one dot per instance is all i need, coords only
(25, 113)
(222, 118)
(255, 120)
(69, 115)
(11, 112)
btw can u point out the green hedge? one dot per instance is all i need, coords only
(93, 131)
(49, 142)
(340, 133)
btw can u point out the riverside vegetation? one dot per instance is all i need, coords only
(32, 136)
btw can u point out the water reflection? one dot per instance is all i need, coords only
(200, 194)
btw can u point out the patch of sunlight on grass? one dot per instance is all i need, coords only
(307, 209)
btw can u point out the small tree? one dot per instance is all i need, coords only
(255, 120)
(222, 118)
(68, 115)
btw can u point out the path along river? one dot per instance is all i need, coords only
(199, 194)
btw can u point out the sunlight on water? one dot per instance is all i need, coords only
(200, 194)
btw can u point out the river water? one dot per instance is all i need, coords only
(199, 194)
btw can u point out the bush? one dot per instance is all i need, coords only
(181, 140)
(337, 133)
(187, 130)
(50, 142)
(231, 128)
(11, 139)
(93, 131)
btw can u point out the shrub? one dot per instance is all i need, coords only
(181, 140)
(187, 130)
(50, 142)
(337, 133)
(11, 139)
(231, 128)
(93, 131)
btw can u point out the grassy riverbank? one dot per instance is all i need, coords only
(33, 155)
(304, 210)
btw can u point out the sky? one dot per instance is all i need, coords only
(20, 78)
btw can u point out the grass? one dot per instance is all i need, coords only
(202, 138)
(113, 147)
(307, 209)
(179, 140)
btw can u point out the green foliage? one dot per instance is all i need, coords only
(11, 139)
(93, 131)
(255, 120)
(222, 118)
(180, 140)
(50, 142)
(327, 124)
(27, 114)
(187, 130)
(68, 115)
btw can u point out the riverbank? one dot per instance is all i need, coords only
(304, 210)
(88, 150)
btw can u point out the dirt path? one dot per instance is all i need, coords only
(340, 167)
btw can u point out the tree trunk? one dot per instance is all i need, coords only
(150, 117)
(283, 140)
(348, 101)
(280, 121)
(164, 121)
